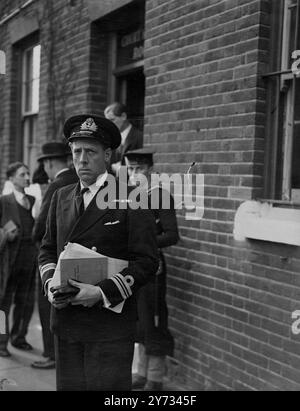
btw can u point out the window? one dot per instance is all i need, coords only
(2, 62)
(283, 146)
(30, 103)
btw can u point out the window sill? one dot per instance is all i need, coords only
(262, 221)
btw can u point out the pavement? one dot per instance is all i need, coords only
(16, 373)
(17, 369)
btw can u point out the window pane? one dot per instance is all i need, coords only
(29, 141)
(28, 65)
(28, 96)
(35, 95)
(36, 62)
(31, 74)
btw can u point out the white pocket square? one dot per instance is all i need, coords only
(112, 223)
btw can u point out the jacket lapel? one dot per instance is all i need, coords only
(13, 209)
(88, 219)
(69, 213)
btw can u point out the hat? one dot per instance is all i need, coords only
(53, 149)
(141, 155)
(39, 175)
(95, 127)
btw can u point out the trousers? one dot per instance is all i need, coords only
(44, 313)
(95, 366)
(20, 291)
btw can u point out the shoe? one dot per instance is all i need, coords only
(4, 353)
(153, 386)
(138, 381)
(48, 364)
(22, 346)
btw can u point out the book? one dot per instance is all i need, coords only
(85, 265)
(85, 270)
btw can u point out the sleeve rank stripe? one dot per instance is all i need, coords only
(124, 283)
(116, 281)
(47, 267)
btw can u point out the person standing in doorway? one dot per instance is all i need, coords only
(132, 138)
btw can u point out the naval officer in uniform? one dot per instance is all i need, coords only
(94, 330)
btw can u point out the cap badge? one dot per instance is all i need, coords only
(89, 124)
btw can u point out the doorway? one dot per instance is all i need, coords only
(130, 90)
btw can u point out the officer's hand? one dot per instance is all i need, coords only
(88, 295)
(58, 304)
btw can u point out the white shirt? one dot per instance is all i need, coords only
(125, 133)
(93, 189)
(35, 191)
(8, 188)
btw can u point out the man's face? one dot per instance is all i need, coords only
(21, 179)
(136, 169)
(90, 160)
(119, 121)
(49, 169)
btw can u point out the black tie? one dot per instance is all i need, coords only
(79, 202)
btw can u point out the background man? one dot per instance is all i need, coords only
(16, 208)
(55, 160)
(132, 138)
(94, 331)
(153, 335)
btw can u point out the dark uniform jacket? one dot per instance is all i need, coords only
(124, 234)
(66, 178)
(166, 221)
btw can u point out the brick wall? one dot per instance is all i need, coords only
(230, 303)
(65, 36)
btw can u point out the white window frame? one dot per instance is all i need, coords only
(30, 115)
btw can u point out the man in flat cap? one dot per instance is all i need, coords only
(94, 330)
(153, 335)
(54, 157)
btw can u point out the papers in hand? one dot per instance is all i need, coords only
(10, 227)
(87, 266)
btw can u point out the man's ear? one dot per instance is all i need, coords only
(124, 116)
(108, 153)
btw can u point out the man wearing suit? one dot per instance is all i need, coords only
(55, 160)
(94, 330)
(132, 138)
(16, 208)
